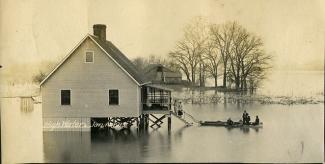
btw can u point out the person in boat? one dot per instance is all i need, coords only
(245, 116)
(230, 122)
(248, 119)
(257, 121)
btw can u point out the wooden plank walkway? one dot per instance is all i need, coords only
(181, 119)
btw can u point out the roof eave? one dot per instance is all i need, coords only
(138, 83)
(64, 59)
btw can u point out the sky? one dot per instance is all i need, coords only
(39, 30)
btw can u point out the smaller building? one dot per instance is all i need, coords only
(158, 73)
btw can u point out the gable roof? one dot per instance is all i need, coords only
(121, 59)
(166, 70)
(115, 54)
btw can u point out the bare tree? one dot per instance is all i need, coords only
(239, 39)
(38, 78)
(228, 46)
(140, 62)
(182, 62)
(155, 59)
(45, 68)
(212, 60)
(258, 73)
(189, 49)
(247, 57)
(222, 36)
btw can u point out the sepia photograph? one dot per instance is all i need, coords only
(162, 81)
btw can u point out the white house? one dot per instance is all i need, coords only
(97, 81)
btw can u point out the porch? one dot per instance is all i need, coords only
(155, 99)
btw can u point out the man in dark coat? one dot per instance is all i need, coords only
(248, 119)
(244, 117)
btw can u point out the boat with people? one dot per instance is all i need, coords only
(244, 123)
(236, 124)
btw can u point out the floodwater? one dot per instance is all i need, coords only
(291, 133)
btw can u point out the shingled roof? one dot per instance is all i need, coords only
(111, 50)
(120, 58)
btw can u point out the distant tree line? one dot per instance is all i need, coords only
(227, 50)
(44, 69)
(142, 62)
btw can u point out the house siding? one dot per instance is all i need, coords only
(89, 84)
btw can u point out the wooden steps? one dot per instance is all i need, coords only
(181, 119)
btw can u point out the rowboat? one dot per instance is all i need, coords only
(234, 125)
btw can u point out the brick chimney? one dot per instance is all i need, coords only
(100, 31)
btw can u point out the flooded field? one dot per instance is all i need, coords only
(291, 133)
(286, 88)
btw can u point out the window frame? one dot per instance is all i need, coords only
(109, 97)
(85, 57)
(62, 97)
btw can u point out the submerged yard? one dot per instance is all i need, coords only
(287, 136)
(292, 132)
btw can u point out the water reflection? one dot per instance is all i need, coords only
(116, 145)
(66, 146)
(125, 145)
(112, 145)
(245, 130)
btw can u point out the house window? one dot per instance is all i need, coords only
(89, 58)
(65, 97)
(113, 97)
